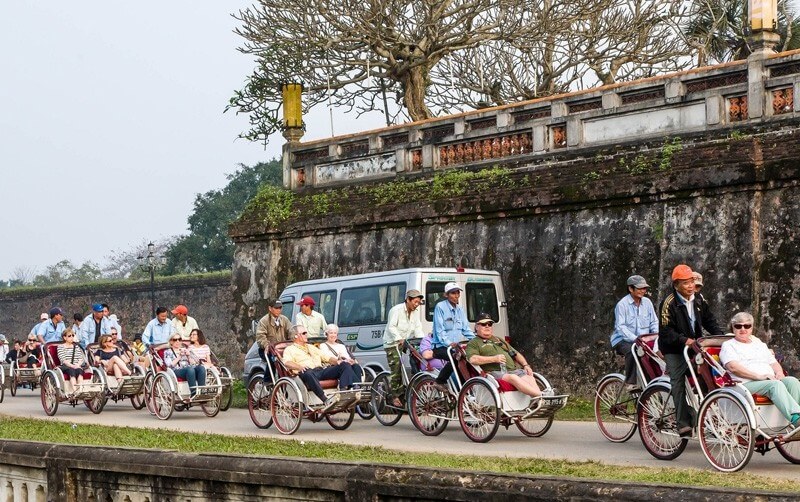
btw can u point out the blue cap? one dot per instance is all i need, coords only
(97, 307)
(55, 311)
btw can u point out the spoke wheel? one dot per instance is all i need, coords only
(99, 400)
(13, 386)
(726, 434)
(381, 392)
(364, 410)
(535, 427)
(790, 451)
(148, 392)
(2, 384)
(342, 420)
(212, 408)
(49, 392)
(615, 410)
(139, 400)
(258, 392)
(286, 407)
(657, 425)
(163, 400)
(226, 399)
(478, 411)
(428, 407)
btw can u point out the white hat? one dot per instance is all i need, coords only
(451, 286)
(44, 316)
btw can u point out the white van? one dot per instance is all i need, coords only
(359, 304)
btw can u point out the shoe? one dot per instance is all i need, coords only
(632, 387)
(330, 402)
(685, 432)
(441, 387)
(549, 392)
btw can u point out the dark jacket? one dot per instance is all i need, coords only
(267, 333)
(673, 322)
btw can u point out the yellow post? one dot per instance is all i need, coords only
(763, 15)
(292, 105)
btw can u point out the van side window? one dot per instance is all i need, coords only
(326, 302)
(369, 305)
(434, 293)
(481, 297)
(288, 306)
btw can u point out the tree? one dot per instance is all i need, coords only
(718, 30)
(64, 272)
(208, 247)
(435, 56)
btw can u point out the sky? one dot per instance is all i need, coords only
(112, 121)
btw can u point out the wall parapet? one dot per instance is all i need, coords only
(37, 472)
(741, 93)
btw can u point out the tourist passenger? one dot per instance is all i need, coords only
(682, 317)
(401, 324)
(3, 348)
(199, 349)
(752, 363)
(94, 326)
(273, 327)
(332, 348)
(306, 360)
(450, 326)
(31, 352)
(634, 315)
(13, 354)
(159, 330)
(43, 318)
(139, 350)
(183, 322)
(500, 359)
(313, 321)
(111, 358)
(71, 358)
(50, 330)
(426, 351)
(178, 358)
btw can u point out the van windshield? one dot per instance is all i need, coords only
(370, 304)
(480, 297)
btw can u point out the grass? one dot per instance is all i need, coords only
(98, 435)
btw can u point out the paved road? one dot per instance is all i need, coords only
(565, 440)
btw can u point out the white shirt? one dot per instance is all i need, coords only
(755, 356)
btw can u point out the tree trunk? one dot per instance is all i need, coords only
(415, 84)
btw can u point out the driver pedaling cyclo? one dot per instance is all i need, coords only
(450, 326)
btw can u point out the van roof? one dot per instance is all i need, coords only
(402, 271)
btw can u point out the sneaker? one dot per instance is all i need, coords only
(685, 432)
(549, 392)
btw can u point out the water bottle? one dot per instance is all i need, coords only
(503, 367)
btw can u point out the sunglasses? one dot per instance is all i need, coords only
(742, 326)
(69, 336)
(31, 339)
(490, 323)
(174, 339)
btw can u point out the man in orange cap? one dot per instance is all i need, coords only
(183, 322)
(682, 317)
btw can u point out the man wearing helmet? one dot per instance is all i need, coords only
(634, 315)
(682, 318)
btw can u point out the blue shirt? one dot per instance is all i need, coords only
(631, 320)
(450, 325)
(50, 332)
(156, 333)
(88, 330)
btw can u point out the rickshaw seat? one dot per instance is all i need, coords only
(52, 354)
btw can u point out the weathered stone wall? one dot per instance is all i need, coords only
(567, 230)
(208, 300)
(35, 472)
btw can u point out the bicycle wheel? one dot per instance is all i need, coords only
(428, 407)
(615, 410)
(258, 391)
(381, 391)
(478, 411)
(726, 435)
(657, 424)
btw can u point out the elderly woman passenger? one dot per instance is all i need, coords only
(750, 361)
(333, 348)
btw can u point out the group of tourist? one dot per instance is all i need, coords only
(684, 315)
(187, 354)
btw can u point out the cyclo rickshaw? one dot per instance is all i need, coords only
(412, 363)
(55, 388)
(117, 389)
(481, 403)
(290, 401)
(21, 373)
(168, 393)
(731, 423)
(614, 405)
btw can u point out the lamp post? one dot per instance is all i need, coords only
(151, 262)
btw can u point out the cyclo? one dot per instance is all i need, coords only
(384, 411)
(117, 389)
(614, 406)
(22, 373)
(290, 401)
(480, 402)
(731, 423)
(56, 389)
(169, 393)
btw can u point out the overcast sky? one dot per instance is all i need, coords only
(112, 122)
